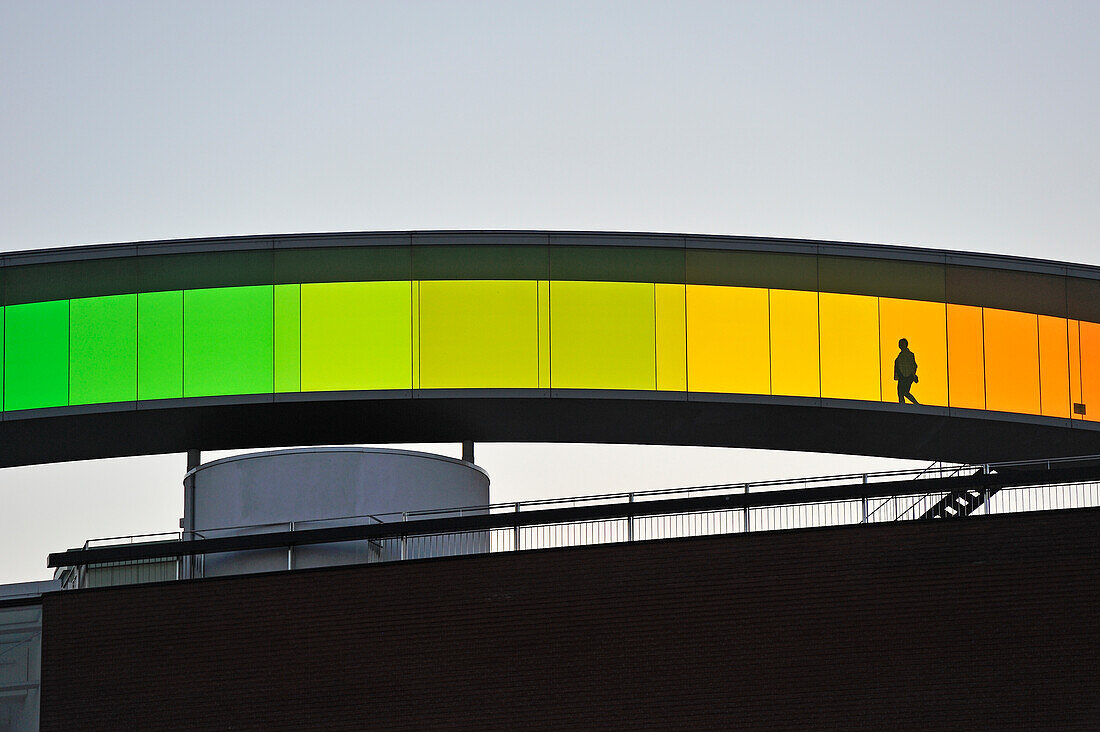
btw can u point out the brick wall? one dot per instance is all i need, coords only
(984, 621)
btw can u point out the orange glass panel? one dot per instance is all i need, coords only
(1011, 361)
(794, 346)
(1053, 367)
(1075, 365)
(727, 335)
(1090, 370)
(965, 357)
(849, 347)
(924, 325)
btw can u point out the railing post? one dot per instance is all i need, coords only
(745, 511)
(290, 551)
(515, 532)
(866, 515)
(985, 489)
(404, 538)
(630, 519)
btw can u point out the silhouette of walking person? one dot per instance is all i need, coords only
(905, 372)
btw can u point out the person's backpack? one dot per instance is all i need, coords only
(907, 365)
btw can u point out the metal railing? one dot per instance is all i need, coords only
(936, 470)
(732, 508)
(743, 520)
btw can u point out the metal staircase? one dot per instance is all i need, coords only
(959, 504)
(955, 504)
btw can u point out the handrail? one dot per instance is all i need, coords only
(130, 537)
(868, 516)
(917, 502)
(641, 496)
(591, 512)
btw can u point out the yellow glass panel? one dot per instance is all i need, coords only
(728, 339)
(849, 347)
(924, 325)
(356, 335)
(1090, 370)
(479, 334)
(670, 302)
(794, 343)
(1053, 367)
(602, 335)
(288, 337)
(415, 300)
(1011, 361)
(965, 357)
(544, 334)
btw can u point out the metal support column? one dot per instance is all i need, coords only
(187, 565)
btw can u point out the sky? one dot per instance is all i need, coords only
(962, 125)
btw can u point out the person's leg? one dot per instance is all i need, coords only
(908, 392)
(902, 388)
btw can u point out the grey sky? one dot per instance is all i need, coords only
(956, 125)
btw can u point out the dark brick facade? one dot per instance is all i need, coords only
(988, 622)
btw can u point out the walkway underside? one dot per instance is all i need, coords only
(834, 426)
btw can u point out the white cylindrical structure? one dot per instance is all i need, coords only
(319, 487)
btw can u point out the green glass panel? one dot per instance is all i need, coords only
(778, 270)
(1, 359)
(356, 335)
(513, 262)
(78, 279)
(103, 349)
(479, 334)
(36, 355)
(288, 337)
(602, 336)
(160, 345)
(1083, 299)
(200, 270)
(884, 277)
(1027, 292)
(228, 341)
(342, 264)
(617, 264)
